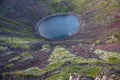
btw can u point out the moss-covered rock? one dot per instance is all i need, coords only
(111, 57)
(46, 48)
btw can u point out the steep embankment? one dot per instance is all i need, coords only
(93, 52)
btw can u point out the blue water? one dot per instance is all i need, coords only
(59, 27)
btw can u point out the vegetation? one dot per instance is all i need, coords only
(24, 56)
(114, 60)
(104, 15)
(28, 72)
(61, 54)
(80, 5)
(94, 12)
(110, 57)
(14, 59)
(9, 65)
(46, 48)
(114, 38)
(3, 48)
(15, 42)
(60, 6)
(13, 27)
(97, 42)
(89, 71)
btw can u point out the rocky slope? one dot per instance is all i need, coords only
(94, 53)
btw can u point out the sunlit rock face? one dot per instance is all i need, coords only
(59, 27)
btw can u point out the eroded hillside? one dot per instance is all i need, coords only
(94, 53)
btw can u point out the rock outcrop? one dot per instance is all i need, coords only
(109, 74)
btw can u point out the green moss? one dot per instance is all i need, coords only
(110, 57)
(14, 59)
(2, 48)
(51, 67)
(87, 70)
(97, 42)
(61, 54)
(9, 53)
(30, 72)
(15, 42)
(92, 71)
(46, 48)
(34, 71)
(25, 56)
(114, 60)
(9, 65)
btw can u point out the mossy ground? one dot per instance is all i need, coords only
(17, 42)
(95, 13)
(60, 56)
(89, 71)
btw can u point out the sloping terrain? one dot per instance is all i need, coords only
(93, 54)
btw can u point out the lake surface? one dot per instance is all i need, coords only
(59, 27)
